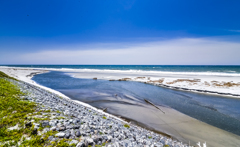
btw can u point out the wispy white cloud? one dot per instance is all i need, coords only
(235, 31)
(176, 51)
(127, 4)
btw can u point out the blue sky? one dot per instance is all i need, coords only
(31, 29)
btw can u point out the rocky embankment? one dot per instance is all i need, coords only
(82, 126)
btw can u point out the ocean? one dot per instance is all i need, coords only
(203, 69)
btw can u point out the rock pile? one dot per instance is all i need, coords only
(84, 126)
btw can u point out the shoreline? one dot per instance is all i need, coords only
(233, 92)
(179, 126)
(197, 90)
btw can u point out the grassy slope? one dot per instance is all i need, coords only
(16, 111)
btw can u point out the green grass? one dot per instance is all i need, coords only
(3, 75)
(16, 111)
(104, 117)
(126, 126)
(13, 111)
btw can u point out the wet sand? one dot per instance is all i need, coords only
(177, 125)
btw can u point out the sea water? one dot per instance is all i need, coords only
(204, 69)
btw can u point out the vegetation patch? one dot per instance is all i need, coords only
(224, 84)
(15, 116)
(126, 126)
(13, 111)
(157, 81)
(140, 77)
(184, 80)
(3, 75)
(125, 79)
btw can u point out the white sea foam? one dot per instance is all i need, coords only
(206, 73)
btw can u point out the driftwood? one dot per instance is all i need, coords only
(154, 105)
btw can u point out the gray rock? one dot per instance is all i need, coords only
(116, 144)
(78, 134)
(60, 135)
(76, 121)
(69, 127)
(63, 128)
(59, 124)
(67, 112)
(72, 132)
(50, 138)
(45, 130)
(89, 141)
(73, 142)
(45, 123)
(53, 128)
(81, 144)
(51, 123)
(36, 125)
(96, 139)
(76, 127)
(83, 133)
(67, 135)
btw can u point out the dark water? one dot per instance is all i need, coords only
(218, 111)
(165, 68)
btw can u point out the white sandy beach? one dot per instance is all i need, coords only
(176, 124)
(197, 81)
